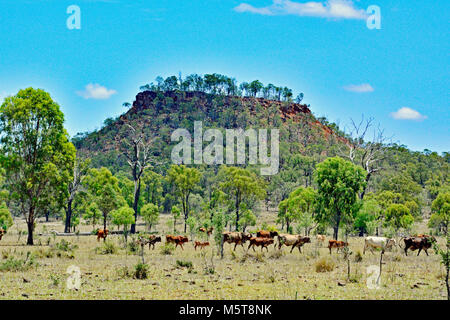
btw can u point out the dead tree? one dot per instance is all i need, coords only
(135, 147)
(80, 170)
(368, 154)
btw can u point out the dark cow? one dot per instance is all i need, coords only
(260, 242)
(422, 242)
(151, 240)
(2, 232)
(102, 234)
(300, 242)
(207, 231)
(236, 238)
(266, 234)
(178, 240)
(337, 244)
(200, 244)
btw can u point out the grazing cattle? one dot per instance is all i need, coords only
(300, 242)
(421, 243)
(102, 234)
(260, 242)
(266, 234)
(151, 240)
(236, 238)
(178, 240)
(293, 240)
(320, 238)
(336, 244)
(207, 231)
(2, 232)
(200, 244)
(378, 242)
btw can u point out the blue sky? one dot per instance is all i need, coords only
(399, 74)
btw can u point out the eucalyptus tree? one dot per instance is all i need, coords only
(36, 153)
(135, 145)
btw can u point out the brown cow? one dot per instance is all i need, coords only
(422, 242)
(236, 238)
(336, 244)
(300, 242)
(266, 234)
(207, 231)
(178, 240)
(151, 240)
(260, 242)
(2, 232)
(200, 244)
(102, 234)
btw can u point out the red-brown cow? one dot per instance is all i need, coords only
(2, 232)
(178, 240)
(200, 244)
(336, 244)
(260, 242)
(266, 234)
(102, 234)
(236, 238)
(207, 231)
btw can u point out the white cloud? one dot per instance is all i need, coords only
(338, 9)
(360, 88)
(407, 114)
(96, 91)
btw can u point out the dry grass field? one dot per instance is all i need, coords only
(239, 275)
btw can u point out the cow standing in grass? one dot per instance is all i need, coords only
(178, 240)
(422, 242)
(292, 240)
(336, 244)
(260, 242)
(102, 234)
(236, 238)
(378, 242)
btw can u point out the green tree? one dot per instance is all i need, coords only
(185, 180)
(36, 153)
(239, 184)
(104, 188)
(6, 220)
(124, 216)
(176, 213)
(92, 214)
(366, 219)
(150, 214)
(339, 182)
(302, 201)
(440, 208)
(398, 216)
(248, 218)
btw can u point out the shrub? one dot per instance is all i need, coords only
(184, 264)
(358, 256)
(140, 271)
(324, 265)
(167, 248)
(13, 264)
(107, 247)
(123, 272)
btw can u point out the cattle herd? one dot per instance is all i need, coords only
(265, 238)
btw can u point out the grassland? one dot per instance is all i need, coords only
(239, 275)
